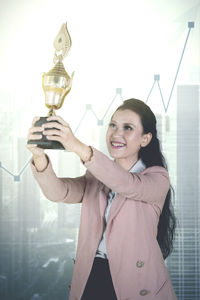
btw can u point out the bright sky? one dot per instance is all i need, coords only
(114, 44)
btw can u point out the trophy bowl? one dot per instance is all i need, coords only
(56, 85)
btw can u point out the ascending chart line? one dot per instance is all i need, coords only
(88, 108)
(157, 77)
(119, 92)
(16, 177)
(99, 120)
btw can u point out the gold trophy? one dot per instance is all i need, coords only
(56, 85)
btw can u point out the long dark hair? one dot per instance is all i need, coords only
(151, 155)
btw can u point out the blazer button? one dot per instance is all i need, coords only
(143, 292)
(140, 264)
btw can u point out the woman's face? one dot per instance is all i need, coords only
(125, 137)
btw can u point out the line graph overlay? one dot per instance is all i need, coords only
(157, 77)
(118, 92)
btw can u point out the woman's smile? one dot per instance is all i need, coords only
(117, 145)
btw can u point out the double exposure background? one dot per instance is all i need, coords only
(145, 49)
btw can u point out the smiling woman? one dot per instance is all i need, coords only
(127, 222)
(116, 44)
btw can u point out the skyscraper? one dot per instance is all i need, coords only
(184, 263)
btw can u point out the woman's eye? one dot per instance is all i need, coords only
(112, 125)
(127, 127)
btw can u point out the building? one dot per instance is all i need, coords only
(184, 263)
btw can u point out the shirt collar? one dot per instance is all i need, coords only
(138, 167)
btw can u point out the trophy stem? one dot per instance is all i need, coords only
(51, 112)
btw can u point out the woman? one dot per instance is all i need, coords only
(127, 222)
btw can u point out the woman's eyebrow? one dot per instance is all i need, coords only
(124, 123)
(129, 123)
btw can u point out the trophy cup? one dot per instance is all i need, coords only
(56, 85)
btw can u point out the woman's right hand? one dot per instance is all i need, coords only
(40, 160)
(33, 148)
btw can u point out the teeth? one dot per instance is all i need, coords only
(117, 144)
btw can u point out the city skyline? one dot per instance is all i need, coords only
(149, 50)
(29, 215)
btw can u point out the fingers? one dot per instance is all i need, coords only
(59, 119)
(55, 138)
(53, 125)
(35, 150)
(53, 132)
(29, 146)
(32, 131)
(55, 128)
(35, 133)
(35, 119)
(34, 137)
(35, 129)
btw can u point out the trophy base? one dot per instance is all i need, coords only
(44, 143)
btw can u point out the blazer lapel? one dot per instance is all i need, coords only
(104, 190)
(115, 207)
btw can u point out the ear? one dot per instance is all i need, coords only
(146, 139)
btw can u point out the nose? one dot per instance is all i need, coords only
(118, 132)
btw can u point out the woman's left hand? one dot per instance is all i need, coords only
(60, 131)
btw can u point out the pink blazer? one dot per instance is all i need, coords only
(137, 268)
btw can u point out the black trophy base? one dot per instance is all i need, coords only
(44, 143)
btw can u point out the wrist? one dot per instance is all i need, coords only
(37, 157)
(88, 153)
(84, 151)
(40, 162)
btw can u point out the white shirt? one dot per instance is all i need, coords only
(101, 251)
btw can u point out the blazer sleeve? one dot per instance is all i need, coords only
(149, 186)
(69, 190)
